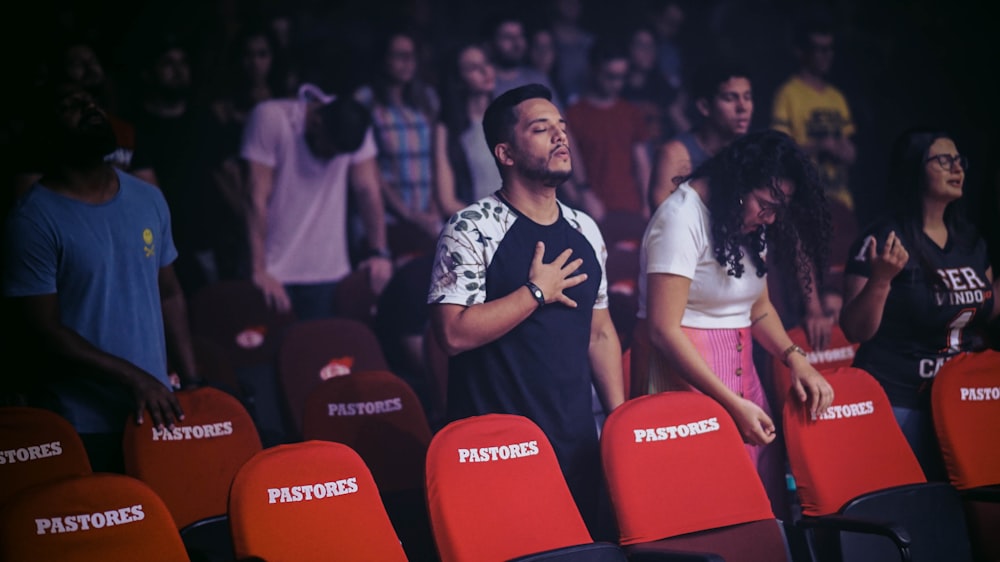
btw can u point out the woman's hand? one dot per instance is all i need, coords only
(809, 386)
(753, 422)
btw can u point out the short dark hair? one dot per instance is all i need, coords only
(500, 116)
(489, 26)
(605, 49)
(706, 79)
(345, 122)
(809, 25)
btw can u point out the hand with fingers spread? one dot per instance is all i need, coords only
(754, 424)
(889, 261)
(809, 386)
(274, 292)
(152, 395)
(556, 276)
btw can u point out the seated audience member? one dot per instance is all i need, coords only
(466, 171)
(647, 88)
(723, 96)
(918, 286)
(87, 263)
(703, 287)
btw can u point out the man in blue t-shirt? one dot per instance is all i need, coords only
(88, 254)
(519, 299)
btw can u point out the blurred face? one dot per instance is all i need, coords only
(819, 55)
(762, 207)
(669, 21)
(85, 134)
(732, 107)
(476, 71)
(568, 10)
(401, 60)
(83, 67)
(172, 71)
(642, 50)
(610, 79)
(509, 44)
(318, 141)
(943, 171)
(539, 147)
(257, 57)
(542, 54)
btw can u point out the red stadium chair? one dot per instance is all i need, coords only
(311, 501)
(378, 415)
(681, 481)
(192, 466)
(317, 350)
(37, 446)
(355, 299)
(965, 400)
(623, 229)
(840, 353)
(860, 484)
(89, 518)
(496, 493)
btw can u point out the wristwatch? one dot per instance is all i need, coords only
(536, 293)
(794, 348)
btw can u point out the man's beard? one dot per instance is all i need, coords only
(88, 144)
(545, 175)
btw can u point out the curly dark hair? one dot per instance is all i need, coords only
(800, 235)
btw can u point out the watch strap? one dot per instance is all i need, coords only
(536, 293)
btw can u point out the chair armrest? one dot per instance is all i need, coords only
(659, 554)
(990, 494)
(894, 532)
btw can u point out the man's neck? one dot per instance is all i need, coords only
(165, 109)
(812, 79)
(711, 139)
(601, 101)
(532, 199)
(96, 183)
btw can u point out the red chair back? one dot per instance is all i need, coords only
(378, 415)
(37, 446)
(317, 350)
(676, 464)
(89, 518)
(965, 400)
(495, 491)
(192, 466)
(310, 501)
(854, 448)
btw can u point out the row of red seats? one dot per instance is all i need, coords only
(679, 478)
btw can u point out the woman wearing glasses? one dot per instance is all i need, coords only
(703, 291)
(917, 285)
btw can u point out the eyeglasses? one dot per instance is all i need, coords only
(948, 161)
(767, 208)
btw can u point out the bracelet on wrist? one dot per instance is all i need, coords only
(794, 348)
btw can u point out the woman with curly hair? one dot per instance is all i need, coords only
(917, 285)
(702, 285)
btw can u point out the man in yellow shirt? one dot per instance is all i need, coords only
(815, 113)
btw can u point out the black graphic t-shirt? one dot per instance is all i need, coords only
(924, 323)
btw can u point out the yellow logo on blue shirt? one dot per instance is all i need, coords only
(147, 238)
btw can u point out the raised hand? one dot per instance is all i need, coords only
(888, 262)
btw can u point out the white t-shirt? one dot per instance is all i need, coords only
(306, 238)
(678, 240)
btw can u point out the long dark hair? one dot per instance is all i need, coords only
(455, 93)
(801, 234)
(907, 188)
(415, 92)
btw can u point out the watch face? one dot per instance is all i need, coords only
(538, 293)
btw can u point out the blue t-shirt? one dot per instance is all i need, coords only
(103, 262)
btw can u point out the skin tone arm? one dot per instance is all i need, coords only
(606, 360)
(668, 295)
(42, 315)
(176, 327)
(640, 167)
(261, 184)
(996, 296)
(461, 328)
(146, 174)
(807, 384)
(864, 299)
(672, 160)
(364, 180)
(444, 176)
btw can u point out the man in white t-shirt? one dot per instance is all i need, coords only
(302, 155)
